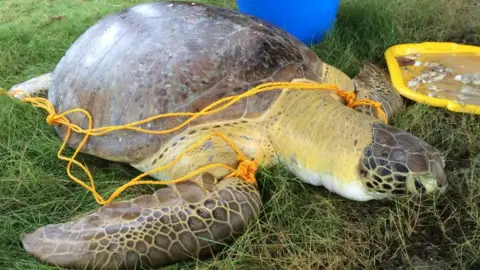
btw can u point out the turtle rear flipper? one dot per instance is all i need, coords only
(189, 220)
(35, 87)
(373, 83)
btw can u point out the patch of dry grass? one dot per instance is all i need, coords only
(302, 227)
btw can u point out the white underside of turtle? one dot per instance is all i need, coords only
(350, 189)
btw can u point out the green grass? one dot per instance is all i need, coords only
(302, 227)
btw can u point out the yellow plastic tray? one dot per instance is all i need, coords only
(427, 48)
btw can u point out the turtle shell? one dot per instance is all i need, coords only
(163, 57)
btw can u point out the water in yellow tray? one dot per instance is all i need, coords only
(454, 76)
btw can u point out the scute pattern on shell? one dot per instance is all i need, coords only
(165, 57)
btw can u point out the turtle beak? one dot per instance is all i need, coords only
(434, 182)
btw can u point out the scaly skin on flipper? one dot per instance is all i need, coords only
(189, 220)
(35, 87)
(373, 83)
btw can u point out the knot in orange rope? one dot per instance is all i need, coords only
(54, 119)
(246, 170)
(349, 97)
(351, 100)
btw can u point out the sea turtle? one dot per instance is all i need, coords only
(155, 58)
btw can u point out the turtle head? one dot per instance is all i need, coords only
(397, 164)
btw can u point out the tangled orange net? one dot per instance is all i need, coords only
(245, 170)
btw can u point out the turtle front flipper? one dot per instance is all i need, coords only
(192, 219)
(373, 83)
(35, 87)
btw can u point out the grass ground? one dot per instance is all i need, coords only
(302, 227)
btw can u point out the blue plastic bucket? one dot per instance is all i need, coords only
(308, 20)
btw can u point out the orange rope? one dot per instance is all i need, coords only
(245, 170)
